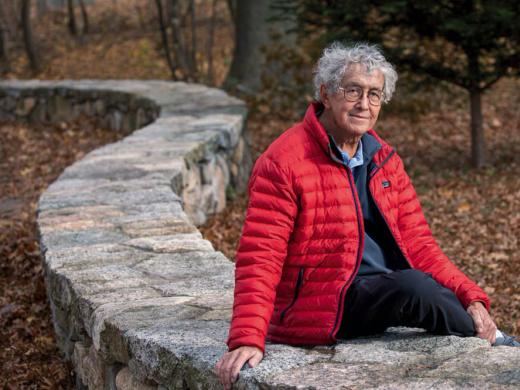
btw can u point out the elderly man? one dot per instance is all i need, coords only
(335, 244)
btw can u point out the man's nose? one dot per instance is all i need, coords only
(363, 101)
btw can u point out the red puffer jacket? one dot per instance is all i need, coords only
(302, 240)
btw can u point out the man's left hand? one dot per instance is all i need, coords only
(484, 325)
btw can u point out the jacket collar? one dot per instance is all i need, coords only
(370, 147)
(315, 129)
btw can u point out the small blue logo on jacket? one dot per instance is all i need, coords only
(386, 184)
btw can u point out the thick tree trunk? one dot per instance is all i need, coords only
(27, 36)
(250, 35)
(478, 143)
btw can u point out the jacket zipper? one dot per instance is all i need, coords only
(372, 174)
(339, 313)
(296, 292)
(374, 171)
(384, 217)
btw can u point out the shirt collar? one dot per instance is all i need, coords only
(356, 160)
(367, 148)
(353, 162)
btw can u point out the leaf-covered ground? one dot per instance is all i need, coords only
(474, 214)
(32, 157)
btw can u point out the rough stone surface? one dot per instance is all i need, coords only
(141, 301)
(89, 366)
(126, 381)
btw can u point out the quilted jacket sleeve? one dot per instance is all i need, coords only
(424, 252)
(262, 250)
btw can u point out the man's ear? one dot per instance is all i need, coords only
(324, 95)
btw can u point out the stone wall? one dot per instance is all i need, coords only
(141, 301)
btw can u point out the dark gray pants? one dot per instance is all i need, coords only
(402, 298)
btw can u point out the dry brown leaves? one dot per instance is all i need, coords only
(31, 157)
(474, 214)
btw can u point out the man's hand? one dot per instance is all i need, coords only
(230, 364)
(484, 325)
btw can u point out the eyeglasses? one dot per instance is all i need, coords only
(352, 93)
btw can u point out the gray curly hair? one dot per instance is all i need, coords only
(336, 60)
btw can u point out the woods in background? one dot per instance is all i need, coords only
(187, 30)
(469, 44)
(16, 26)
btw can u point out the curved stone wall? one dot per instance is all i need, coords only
(141, 301)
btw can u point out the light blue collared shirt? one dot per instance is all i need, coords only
(356, 160)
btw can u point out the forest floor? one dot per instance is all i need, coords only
(32, 157)
(474, 214)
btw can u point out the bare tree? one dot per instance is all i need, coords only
(210, 42)
(84, 17)
(9, 30)
(34, 60)
(179, 29)
(179, 42)
(164, 37)
(4, 60)
(10, 13)
(192, 53)
(71, 18)
(250, 35)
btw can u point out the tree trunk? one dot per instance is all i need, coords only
(232, 7)
(177, 41)
(72, 18)
(27, 36)
(10, 14)
(4, 60)
(164, 37)
(210, 42)
(478, 142)
(193, 52)
(84, 17)
(250, 35)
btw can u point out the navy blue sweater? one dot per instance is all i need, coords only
(380, 253)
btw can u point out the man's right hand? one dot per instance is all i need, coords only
(230, 364)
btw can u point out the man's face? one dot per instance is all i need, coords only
(355, 118)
